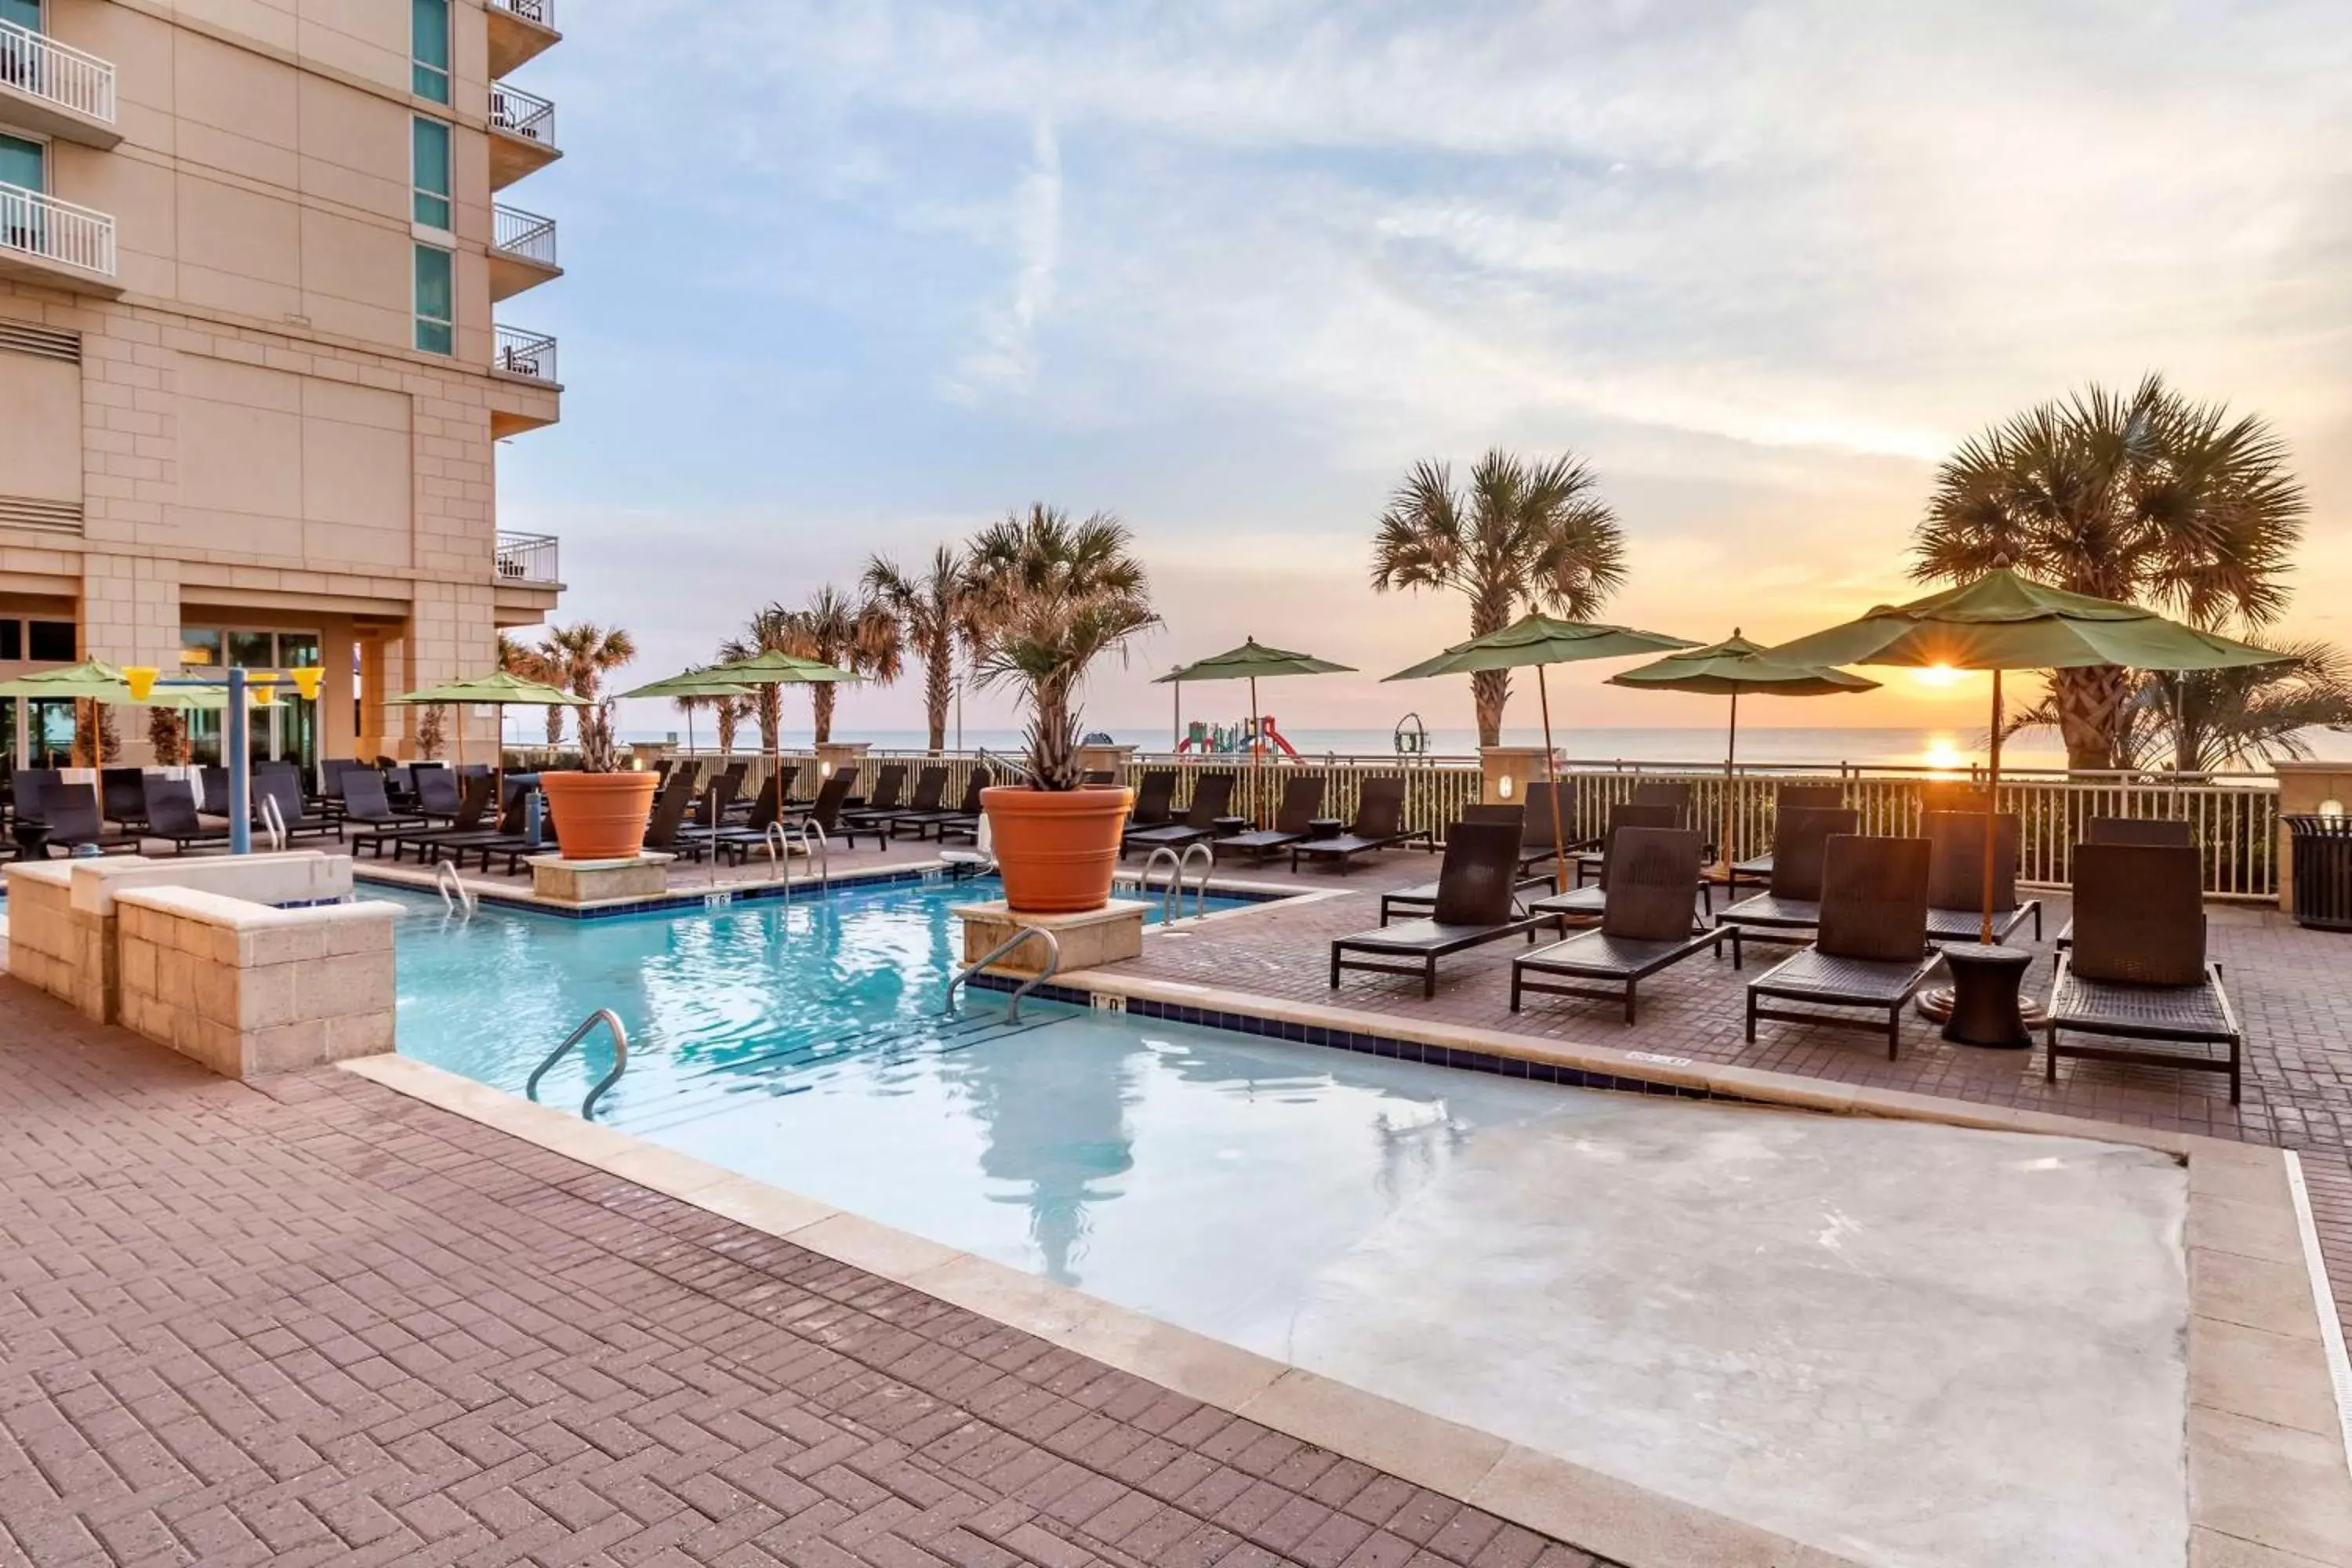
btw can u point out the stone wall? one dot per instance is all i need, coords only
(248, 990)
(51, 947)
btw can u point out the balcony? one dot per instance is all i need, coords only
(53, 91)
(44, 240)
(529, 560)
(529, 356)
(522, 135)
(522, 251)
(521, 30)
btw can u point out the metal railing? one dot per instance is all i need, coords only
(531, 354)
(605, 1016)
(40, 66)
(530, 558)
(457, 898)
(1026, 933)
(525, 236)
(523, 114)
(540, 11)
(36, 224)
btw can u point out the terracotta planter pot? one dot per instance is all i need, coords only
(1057, 848)
(599, 816)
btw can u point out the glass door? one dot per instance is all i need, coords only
(50, 723)
(298, 716)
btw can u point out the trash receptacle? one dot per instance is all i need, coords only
(2322, 871)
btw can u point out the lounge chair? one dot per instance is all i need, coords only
(71, 812)
(367, 802)
(437, 793)
(1645, 926)
(930, 785)
(1871, 952)
(1302, 803)
(1791, 905)
(465, 829)
(1956, 880)
(1786, 799)
(1419, 901)
(1379, 825)
(2170, 830)
(803, 811)
(888, 786)
(738, 840)
(1212, 797)
(171, 811)
(286, 790)
(122, 796)
(1155, 798)
(1664, 803)
(1476, 905)
(503, 834)
(1589, 903)
(2137, 970)
(31, 786)
(962, 820)
(1537, 846)
(834, 823)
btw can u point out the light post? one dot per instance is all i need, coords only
(237, 730)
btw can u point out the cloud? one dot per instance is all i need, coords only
(1006, 357)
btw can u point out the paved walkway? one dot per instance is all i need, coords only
(329, 1324)
(2291, 989)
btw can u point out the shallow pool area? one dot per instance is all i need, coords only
(1900, 1342)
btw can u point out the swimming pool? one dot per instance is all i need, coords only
(1902, 1343)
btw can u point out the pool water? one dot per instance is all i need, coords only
(1901, 1343)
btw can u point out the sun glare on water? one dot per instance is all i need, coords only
(1944, 754)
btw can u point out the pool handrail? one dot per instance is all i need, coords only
(1171, 902)
(611, 1021)
(1053, 966)
(1200, 893)
(446, 881)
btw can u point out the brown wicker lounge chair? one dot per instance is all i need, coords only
(1536, 847)
(1474, 906)
(2130, 831)
(171, 811)
(1786, 799)
(961, 822)
(930, 784)
(1379, 825)
(1872, 951)
(466, 828)
(2137, 970)
(1588, 903)
(1155, 799)
(1645, 926)
(1420, 901)
(1791, 905)
(1664, 802)
(1212, 797)
(1302, 803)
(1956, 878)
(71, 811)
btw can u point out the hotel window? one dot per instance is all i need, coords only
(428, 23)
(429, 155)
(50, 642)
(25, 14)
(22, 164)
(436, 293)
(12, 641)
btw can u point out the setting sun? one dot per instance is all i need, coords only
(1940, 675)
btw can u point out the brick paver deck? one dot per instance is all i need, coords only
(2291, 989)
(328, 1324)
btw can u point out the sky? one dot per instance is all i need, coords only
(860, 276)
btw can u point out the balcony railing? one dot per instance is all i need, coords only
(529, 354)
(65, 76)
(540, 11)
(34, 225)
(523, 114)
(529, 558)
(525, 236)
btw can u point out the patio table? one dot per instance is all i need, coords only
(1986, 982)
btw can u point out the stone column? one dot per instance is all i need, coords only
(1505, 773)
(129, 615)
(337, 737)
(835, 755)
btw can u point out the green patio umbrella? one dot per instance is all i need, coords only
(745, 677)
(1252, 662)
(1726, 670)
(1540, 640)
(691, 683)
(2003, 621)
(499, 689)
(92, 680)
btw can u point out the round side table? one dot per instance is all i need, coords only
(1984, 1009)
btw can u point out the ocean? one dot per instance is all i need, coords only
(1926, 748)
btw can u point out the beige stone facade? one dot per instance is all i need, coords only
(234, 415)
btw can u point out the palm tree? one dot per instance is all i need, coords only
(2142, 496)
(833, 628)
(769, 631)
(1050, 597)
(1524, 536)
(578, 657)
(934, 612)
(521, 658)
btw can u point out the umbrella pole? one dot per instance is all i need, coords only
(1552, 776)
(1992, 791)
(1258, 752)
(1730, 783)
(1176, 716)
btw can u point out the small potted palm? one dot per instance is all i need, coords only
(600, 812)
(1053, 598)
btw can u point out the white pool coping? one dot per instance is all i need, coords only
(2269, 1445)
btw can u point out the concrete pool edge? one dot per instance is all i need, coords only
(2268, 1477)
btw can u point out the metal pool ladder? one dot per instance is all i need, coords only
(605, 1016)
(810, 837)
(457, 898)
(1171, 902)
(1053, 966)
(273, 822)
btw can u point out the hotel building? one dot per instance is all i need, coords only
(253, 364)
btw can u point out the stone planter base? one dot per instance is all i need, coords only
(599, 881)
(1097, 937)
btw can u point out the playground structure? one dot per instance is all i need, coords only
(1259, 737)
